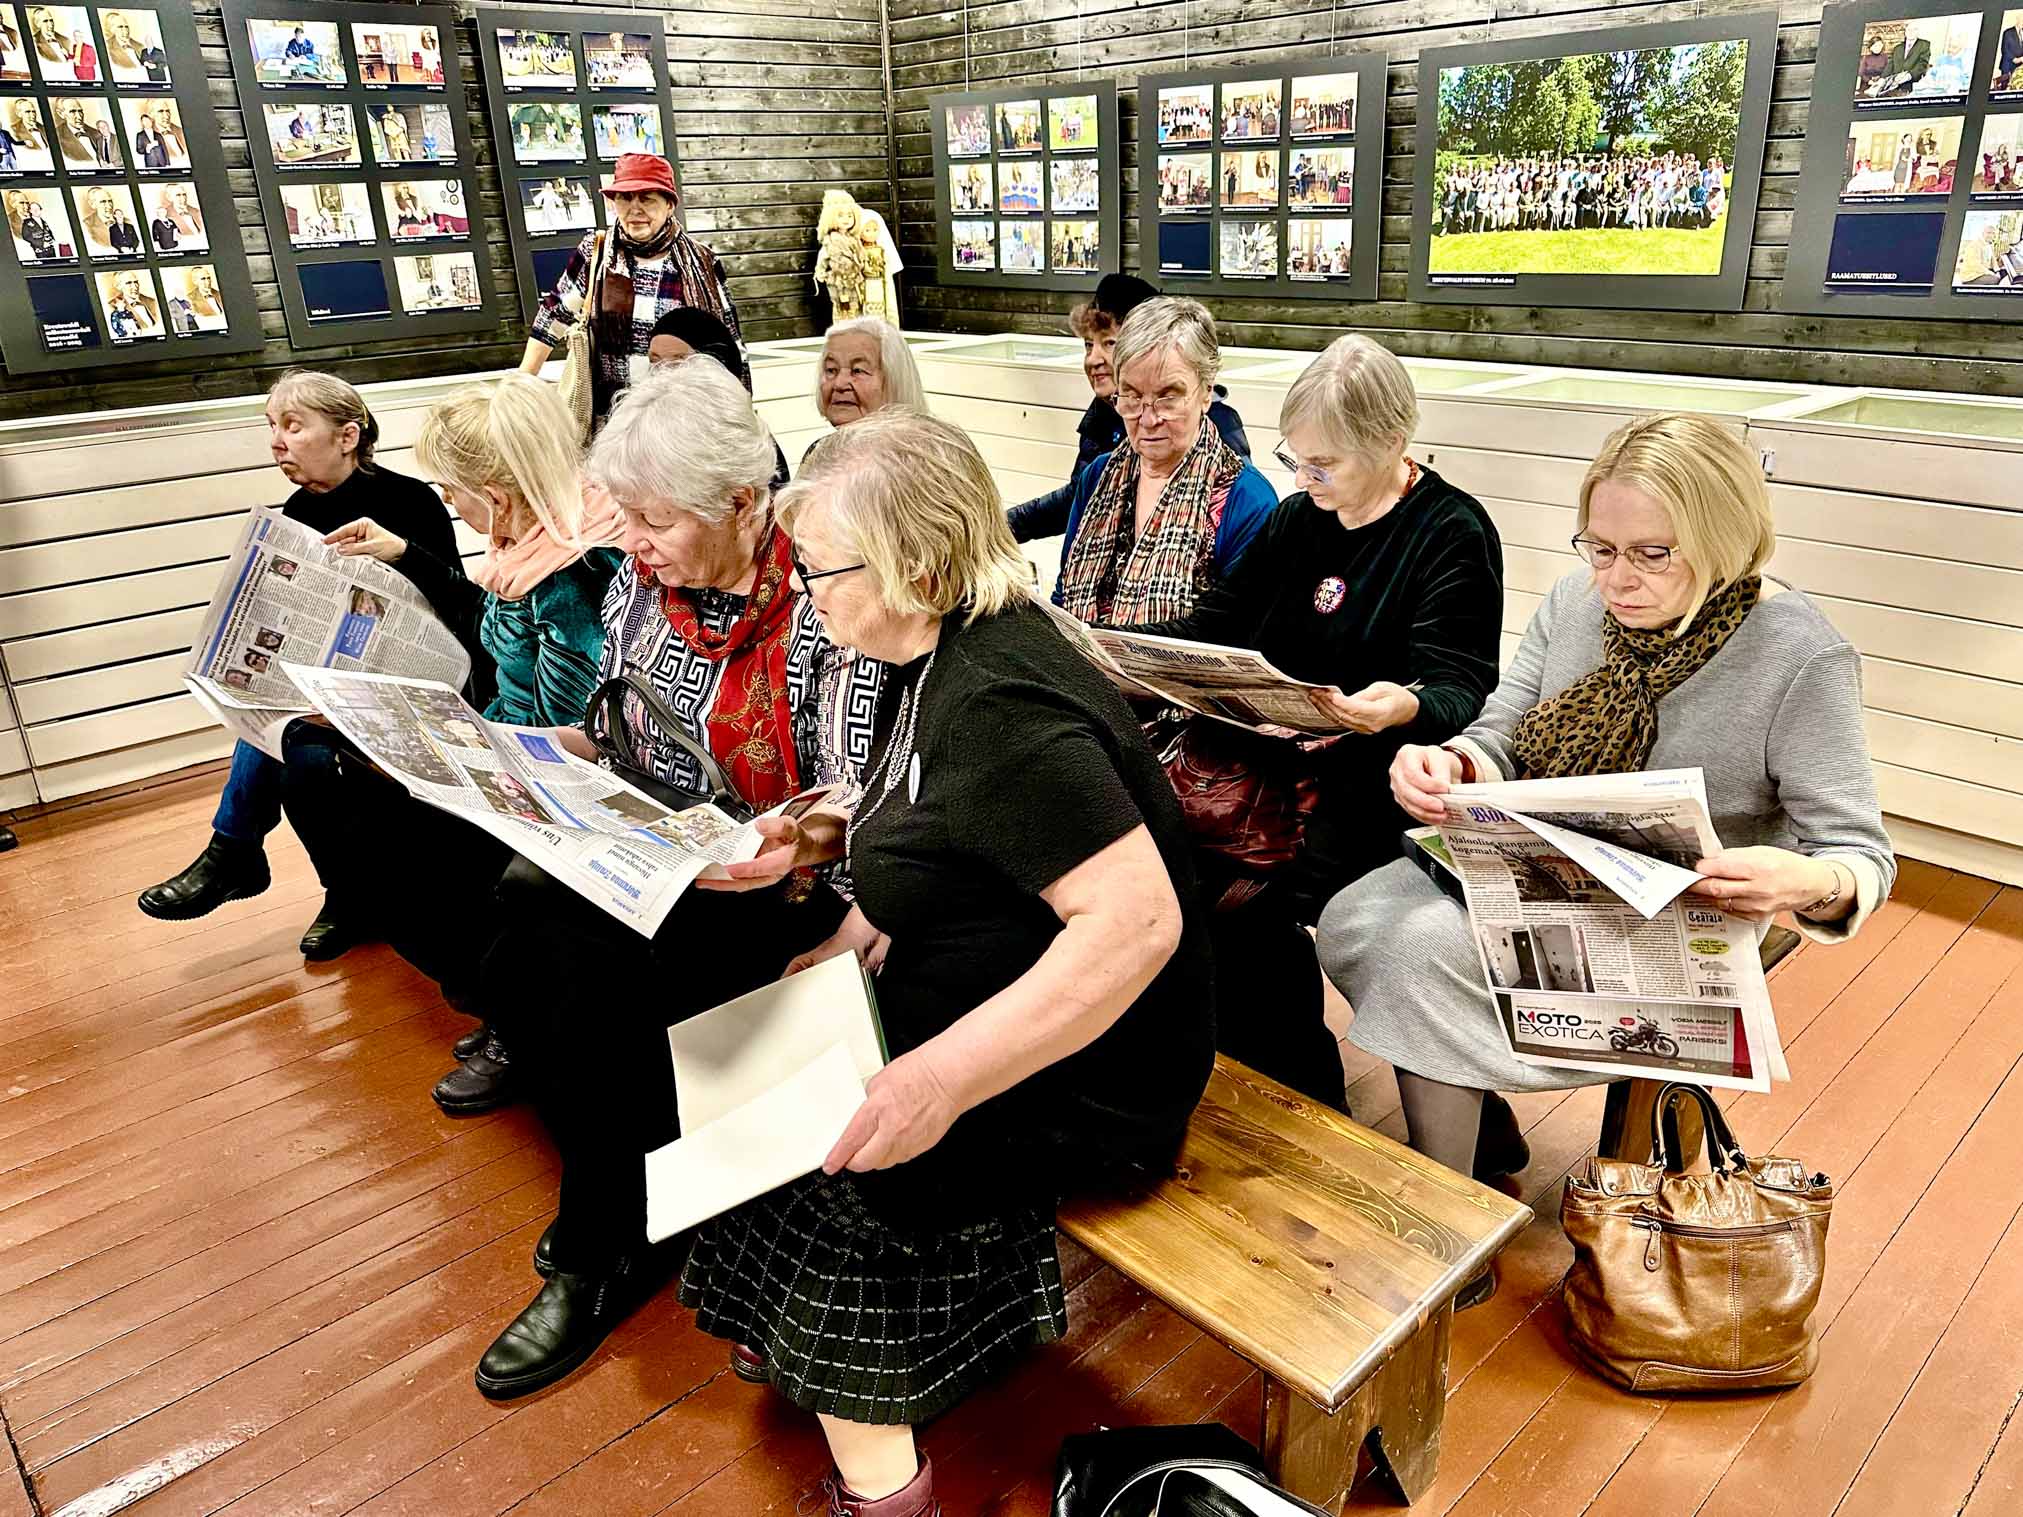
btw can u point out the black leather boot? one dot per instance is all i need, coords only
(1500, 1148)
(544, 1253)
(333, 934)
(225, 871)
(563, 1326)
(483, 1082)
(472, 1043)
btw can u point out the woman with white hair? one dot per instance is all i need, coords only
(1161, 519)
(866, 366)
(706, 619)
(1382, 583)
(1022, 878)
(321, 436)
(1668, 649)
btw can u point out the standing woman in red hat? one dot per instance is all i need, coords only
(650, 266)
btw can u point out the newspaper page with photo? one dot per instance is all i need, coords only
(614, 845)
(285, 598)
(1595, 958)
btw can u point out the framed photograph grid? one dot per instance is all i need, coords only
(1264, 181)
(1027, 188)
(1910, 202)
(362, 151)
(567, 92)
(1612, 167)
(121, 245)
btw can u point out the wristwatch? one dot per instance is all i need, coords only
(1814, 908)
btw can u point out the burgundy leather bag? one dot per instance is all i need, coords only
(1236, 807)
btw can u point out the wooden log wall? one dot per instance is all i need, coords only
(942, 45)
(775, 101)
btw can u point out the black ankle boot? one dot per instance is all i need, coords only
(472, 1043)
(225, 871)
(334, 933)
(483, 1082)
(544, 1252)
(563, 1326)
(1500, 1148)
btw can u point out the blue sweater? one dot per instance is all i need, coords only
(1251, 502)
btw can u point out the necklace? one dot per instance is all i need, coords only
(897, 759)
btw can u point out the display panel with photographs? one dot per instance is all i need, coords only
(1249, 153)
(331, 214)
(393, 54)
(1925, 60)
(1912, 158)
(568, 92)
(106, 187)
(1026, 187)
(1600, 169)
(295, 53)
(367, 164)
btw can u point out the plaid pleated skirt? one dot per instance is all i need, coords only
(867, 1322)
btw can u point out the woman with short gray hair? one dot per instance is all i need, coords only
(866, 366)
(707, 624)
(1160, 520)
(1383, 584)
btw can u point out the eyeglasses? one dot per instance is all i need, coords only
(1313, 472)
(1166, 407)
(808, 576)
(1645, 558)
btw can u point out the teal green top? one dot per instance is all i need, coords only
(547, 644)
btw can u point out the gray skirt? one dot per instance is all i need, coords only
(1399, 950)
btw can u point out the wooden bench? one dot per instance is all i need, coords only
(1326, 1255)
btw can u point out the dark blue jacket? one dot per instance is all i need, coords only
(1102, 431)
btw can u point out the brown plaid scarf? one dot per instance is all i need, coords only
(1113, 580)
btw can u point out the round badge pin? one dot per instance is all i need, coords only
(1329, 595)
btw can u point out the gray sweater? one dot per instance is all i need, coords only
(1774, 720)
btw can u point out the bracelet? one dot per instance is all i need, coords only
(1814, 908)
(1468, 771)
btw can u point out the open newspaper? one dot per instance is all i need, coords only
(615, 845)
(764, 1086)
(1234, 685)
(1594, 958)
(285, 598)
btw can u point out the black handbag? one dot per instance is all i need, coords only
(604, 721)
(1200, 1469)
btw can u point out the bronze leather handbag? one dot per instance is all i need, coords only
(1696, 1282)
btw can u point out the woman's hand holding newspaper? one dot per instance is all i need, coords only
(1420, 776)
(1760, 882)
(817, 838)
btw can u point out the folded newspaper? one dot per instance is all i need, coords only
(1595, 958)
(614, 845)
(1234, 685)
(285, 598)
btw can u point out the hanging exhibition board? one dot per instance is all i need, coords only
(122, 246)
(1026, 186)
(356, 127)
(1264, 181)
(1911, 198)
(1613, 167)
(568, 91)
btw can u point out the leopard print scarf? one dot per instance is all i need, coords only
(1607, 722)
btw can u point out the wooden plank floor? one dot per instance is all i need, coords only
(246, 1267)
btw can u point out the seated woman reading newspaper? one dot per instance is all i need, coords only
(1383, 584)
(506, 459)
(1022, 878)
(1671, 650)
(322, 439)
(706, 619)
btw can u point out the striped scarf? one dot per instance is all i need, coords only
(1116, 581)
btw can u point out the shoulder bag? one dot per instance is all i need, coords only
(579, 355)
(1696, 1282)
(1236, 803)
(1199, 1470)
(604, 721)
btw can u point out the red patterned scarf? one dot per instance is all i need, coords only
(751, 724)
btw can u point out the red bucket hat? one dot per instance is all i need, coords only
(635, 173)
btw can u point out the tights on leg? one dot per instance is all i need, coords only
(1443, 1121)
(874, 1461)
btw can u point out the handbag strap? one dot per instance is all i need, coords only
(1722, 1149)
(612, 737)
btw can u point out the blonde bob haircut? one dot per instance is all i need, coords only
(916, 500)
(1358, 396)
(895, 362)
(1711, 487)
(514, 436)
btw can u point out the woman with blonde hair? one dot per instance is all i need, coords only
(506, 461)
(1668, 649)
(321, 435)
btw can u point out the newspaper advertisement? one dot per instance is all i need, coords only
(1595, 958)
(285, 598)
(613, 844)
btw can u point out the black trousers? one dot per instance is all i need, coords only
(584, 1003)
(1269, 1007)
